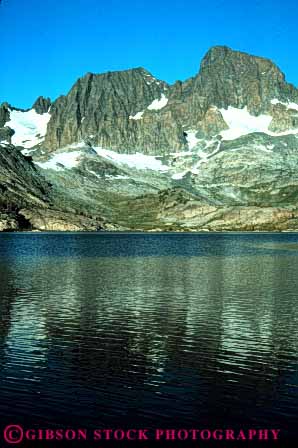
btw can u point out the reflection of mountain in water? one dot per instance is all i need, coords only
(152, 338)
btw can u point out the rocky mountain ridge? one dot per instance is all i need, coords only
(113, 110)
(124, 150)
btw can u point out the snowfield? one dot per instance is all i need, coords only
(70, 158)
(241, 122)
(138, 161)
(30, 127)
(67, 159)
(137, 116)
(158, 104)
(191, 138)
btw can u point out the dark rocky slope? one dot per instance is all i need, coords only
(30, 202)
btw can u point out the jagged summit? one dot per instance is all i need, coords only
(132, 111)
(122, 76)
(140, 70)
(235, 78)
(98, 107)
(221, 52)
(41, 105)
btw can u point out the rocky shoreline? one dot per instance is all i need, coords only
(227, 220)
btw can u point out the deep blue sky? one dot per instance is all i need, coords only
(47, 44)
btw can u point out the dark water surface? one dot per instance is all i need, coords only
(156, 330)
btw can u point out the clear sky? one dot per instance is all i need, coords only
(47, 44)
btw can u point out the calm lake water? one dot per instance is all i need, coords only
(149, 330)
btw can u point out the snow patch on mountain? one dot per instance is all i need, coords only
(138, 161)
(178, 176)
(159, 103)
(30, 127)
(69, 157)
(62, 160)
(137, 116)
(241, 122)
(191, 138)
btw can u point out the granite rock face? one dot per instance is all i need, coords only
(4, 114)
(57, 220)
(42, 105)
(8, 222)
(211, 124)
(232, 78)
(5, 134)
(20, 181)
(283, 118)
(115, 110)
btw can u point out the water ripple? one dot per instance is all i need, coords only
(149, 328)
